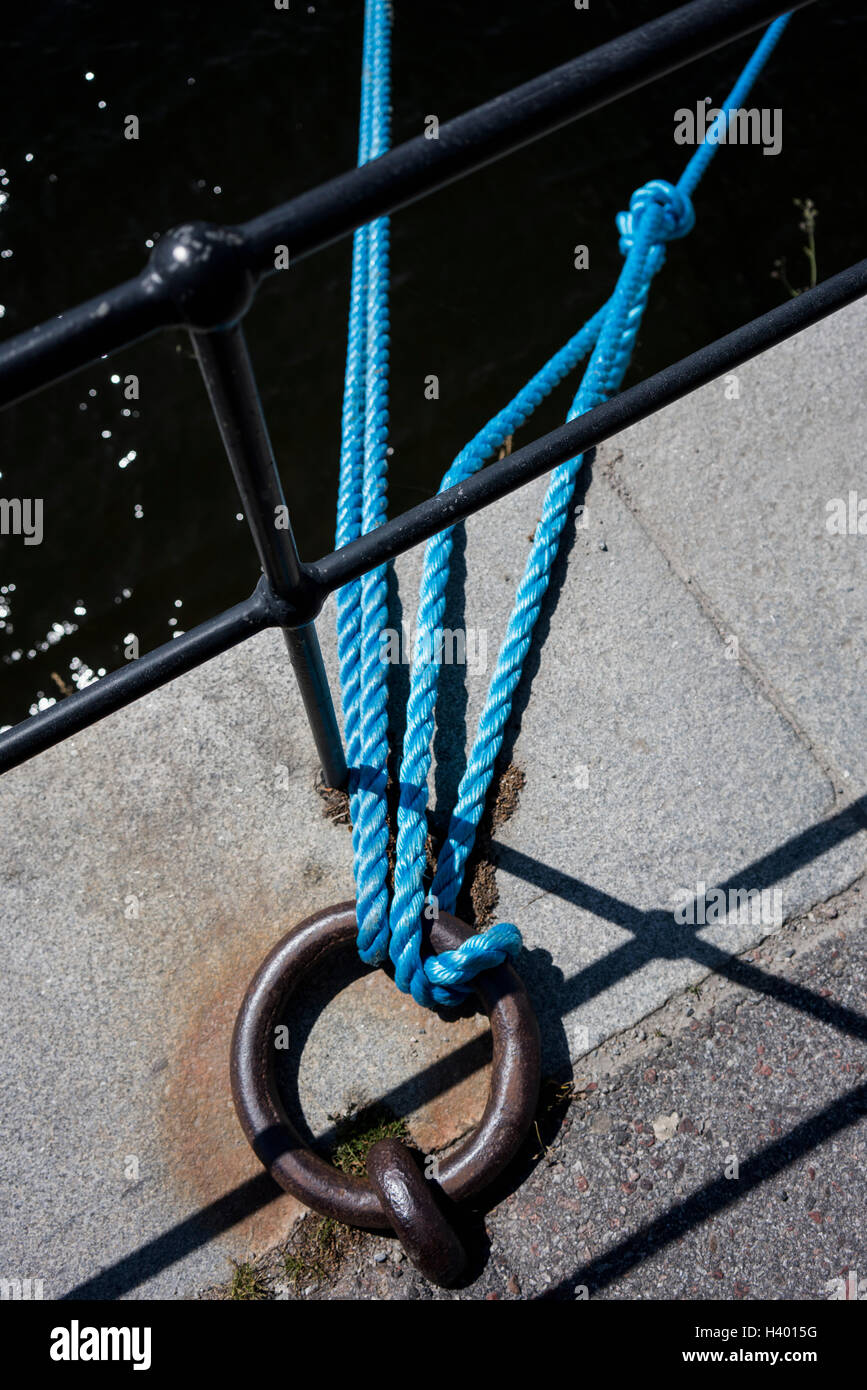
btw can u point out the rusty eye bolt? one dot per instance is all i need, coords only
(395, 1195)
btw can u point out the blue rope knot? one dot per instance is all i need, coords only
(678, 215)
(447, 977)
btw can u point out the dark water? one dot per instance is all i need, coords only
(242, 106)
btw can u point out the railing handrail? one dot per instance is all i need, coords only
(205, 277)
(418, 167)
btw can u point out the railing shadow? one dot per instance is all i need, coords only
(712, 1198)
(655, 935)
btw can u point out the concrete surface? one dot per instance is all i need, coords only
(150, 862)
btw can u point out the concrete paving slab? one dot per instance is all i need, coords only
(654, 764)
(152, 861)
(759, 499)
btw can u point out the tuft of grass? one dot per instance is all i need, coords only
(356, 1135)
(247, 1285)
(320, 1245)
(300, 1269)
(555, 1097)
(319, 1249)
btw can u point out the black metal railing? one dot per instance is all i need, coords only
(204, 277)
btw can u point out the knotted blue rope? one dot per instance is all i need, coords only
(659, 212)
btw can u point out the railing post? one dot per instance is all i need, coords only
(228, 375)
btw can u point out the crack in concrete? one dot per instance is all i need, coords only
(842, 794)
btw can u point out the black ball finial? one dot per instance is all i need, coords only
(202, 269)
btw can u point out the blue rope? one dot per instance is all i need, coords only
(658, 213)
(361, 506)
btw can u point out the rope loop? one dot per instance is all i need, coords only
(659, 212)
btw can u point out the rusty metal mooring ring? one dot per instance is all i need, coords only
(424, 1231)
(469, 1167)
